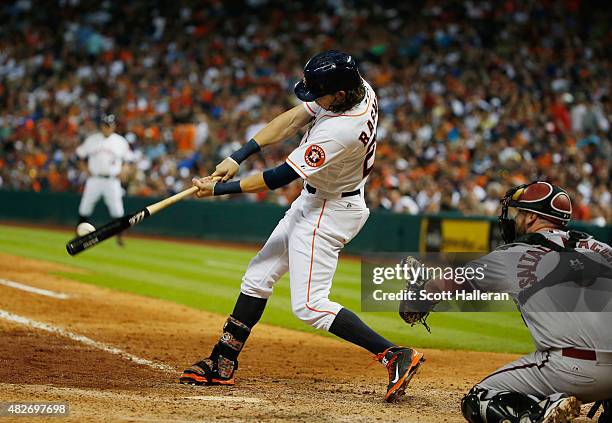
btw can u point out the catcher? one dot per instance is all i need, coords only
(573, 358)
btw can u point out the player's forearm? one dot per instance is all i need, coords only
(284, 126)
(270, 179)
(253, 183)
(250, 184)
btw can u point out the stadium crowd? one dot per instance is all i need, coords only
(474, 96)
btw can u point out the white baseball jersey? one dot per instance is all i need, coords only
(337, 152)
(335, 156)
(105, 155)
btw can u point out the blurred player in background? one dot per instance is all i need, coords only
(106, 152)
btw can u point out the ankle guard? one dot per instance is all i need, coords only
(223, 360)
(235, 334)
(220, 366)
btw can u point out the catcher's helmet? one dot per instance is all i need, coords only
(543, 198)
(327, 73)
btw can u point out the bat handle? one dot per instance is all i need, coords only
(154, 208)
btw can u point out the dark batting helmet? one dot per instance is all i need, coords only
(109, 119)
(547, 200)
(326, 73)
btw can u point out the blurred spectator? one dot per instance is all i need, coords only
(475, 96)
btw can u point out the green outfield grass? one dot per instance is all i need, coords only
(208, 278)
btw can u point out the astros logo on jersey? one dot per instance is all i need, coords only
(314, 156)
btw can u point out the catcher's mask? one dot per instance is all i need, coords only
(542, 198)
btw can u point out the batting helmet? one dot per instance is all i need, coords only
(327, 73)
(109, 119)
(543, 198)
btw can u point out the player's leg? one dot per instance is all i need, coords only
(113, 197)
(523, 388)
(314, 248)
(547, 373)
(91, 194)
(272, 261)
(264, 270)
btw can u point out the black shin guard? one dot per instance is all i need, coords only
(236, 330)
(235, 334)
(351, 328)
(224, 356)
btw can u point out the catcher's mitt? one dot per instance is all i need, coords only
(416, 310)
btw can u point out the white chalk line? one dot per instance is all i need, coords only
(251, 400)
(66, 392)
(84, 340)
(158, 420)
(34, 290)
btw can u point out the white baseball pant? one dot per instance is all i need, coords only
(96, 187)
(307, 242)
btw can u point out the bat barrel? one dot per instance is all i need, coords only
(80, 243)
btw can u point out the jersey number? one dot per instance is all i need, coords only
(368, 162)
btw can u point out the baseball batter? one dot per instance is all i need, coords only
(562, 283)
(334, 158)
(105, 152)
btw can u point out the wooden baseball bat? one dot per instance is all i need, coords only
(116, 226)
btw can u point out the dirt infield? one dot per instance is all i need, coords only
(284, 375)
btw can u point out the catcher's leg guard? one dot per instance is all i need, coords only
(219, 368)
(482, 406)
(513, 407)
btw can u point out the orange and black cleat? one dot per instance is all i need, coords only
(210, 372)
(402, 364)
